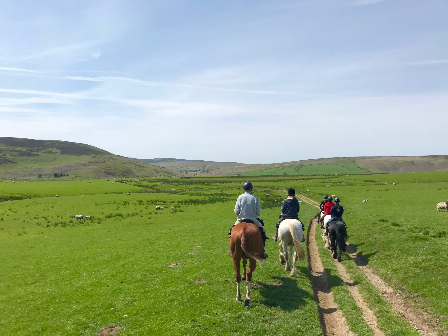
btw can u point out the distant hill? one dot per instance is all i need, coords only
(357, 165)
(28, 159)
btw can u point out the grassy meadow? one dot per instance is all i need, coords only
(168, 272)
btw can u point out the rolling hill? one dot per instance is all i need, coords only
(28, 159)
(357, 165)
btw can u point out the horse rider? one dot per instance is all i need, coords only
(247, 209)
(321, 207)
(336, 212)
(327, 209)
(290, 210)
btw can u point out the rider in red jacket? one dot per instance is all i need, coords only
(328, 206)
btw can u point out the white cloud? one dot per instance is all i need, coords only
(19, 70)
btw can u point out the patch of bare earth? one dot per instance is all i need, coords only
(331, 318)
(110, 331)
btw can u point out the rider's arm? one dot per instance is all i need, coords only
(258, 210)
(238, 207)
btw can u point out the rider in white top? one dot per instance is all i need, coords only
(248, 208)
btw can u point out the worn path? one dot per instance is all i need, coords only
(327, 308)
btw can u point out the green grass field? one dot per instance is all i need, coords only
(61, 276)
(311, 169)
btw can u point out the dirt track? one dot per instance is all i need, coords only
(332, 320)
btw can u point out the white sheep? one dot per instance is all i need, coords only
(78, 216)
(442, 206)
(158, 207)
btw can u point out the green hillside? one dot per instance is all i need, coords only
(354, 165)
(27, 159)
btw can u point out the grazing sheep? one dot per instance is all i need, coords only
(366, 200)
(173, 208)
(78, 216)
(87, 217)
(57, 195)
(442, 206)
(128, 193)
(394, 183)
(158, 207)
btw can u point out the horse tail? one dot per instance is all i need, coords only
(340, 237)
(248, 246)
(295, 237)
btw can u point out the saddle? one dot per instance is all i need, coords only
(245, 220)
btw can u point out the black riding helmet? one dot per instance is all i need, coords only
(248, 186)
(337, 199)
(326, 196)
(330, 199)
(291, 192)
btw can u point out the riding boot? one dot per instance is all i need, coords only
(263, 236)
(275, 235)
(230, 231)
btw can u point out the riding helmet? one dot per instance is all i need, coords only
(330, 199)
(291, 192)
(326, 196)
(337, 199)
(248, 186)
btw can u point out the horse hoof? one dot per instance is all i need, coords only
(246, 303)
(238, 298)
(282, 262)
(335, 256)
(339, 258)
(243, 278)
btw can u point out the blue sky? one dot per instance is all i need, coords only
(245, 81)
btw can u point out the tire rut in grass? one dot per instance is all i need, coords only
(416, 320)
(367, 314)
(331, 318)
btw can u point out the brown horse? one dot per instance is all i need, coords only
(245, 243)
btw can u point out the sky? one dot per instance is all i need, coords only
(229, 81)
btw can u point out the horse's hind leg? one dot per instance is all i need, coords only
(244, 270)
(281, 252)
(252, 265)
(236, 266)
(286, 256)
(294, 260)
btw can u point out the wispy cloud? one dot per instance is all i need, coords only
(19, 70)
(44, 93)
(429, 62)
(6, 109)
(364, 2)
(148, 83)
(33, 100)
(64, 49)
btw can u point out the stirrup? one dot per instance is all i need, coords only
(263, 255)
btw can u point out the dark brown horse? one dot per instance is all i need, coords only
(245, 243)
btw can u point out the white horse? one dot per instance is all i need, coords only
(290, 233)
(321, 218)
(324, 227)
